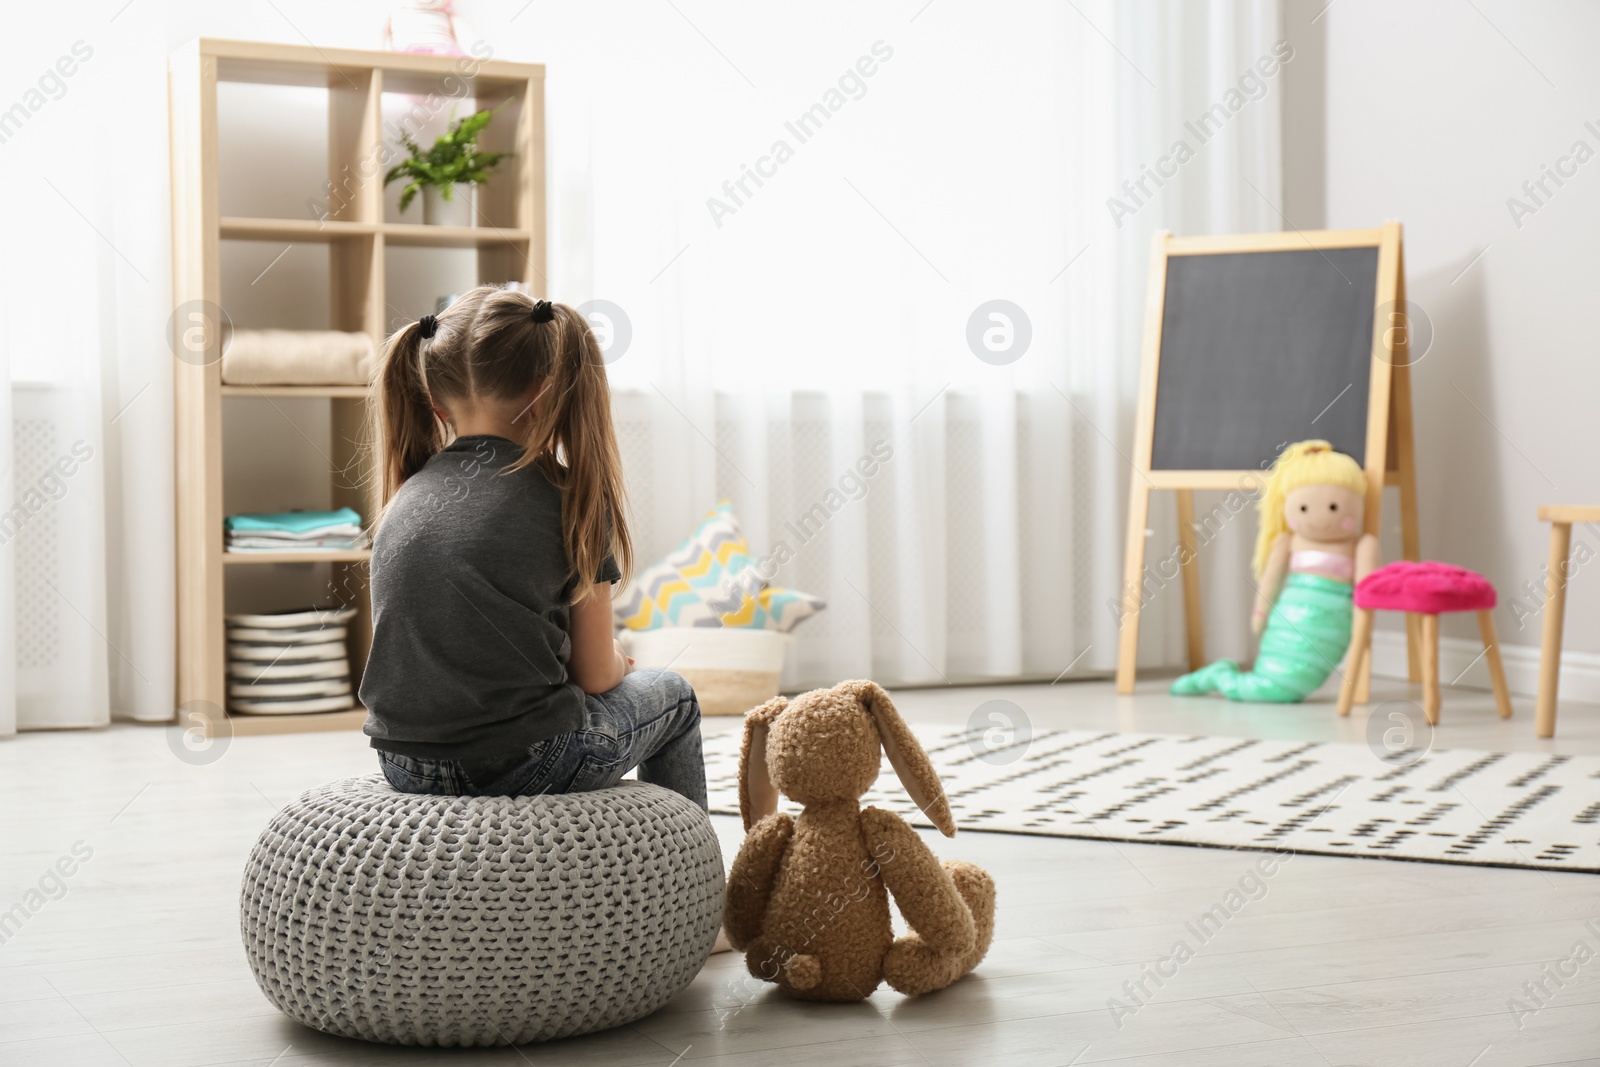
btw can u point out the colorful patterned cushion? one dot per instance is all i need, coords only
(774, 608)
(709, 581)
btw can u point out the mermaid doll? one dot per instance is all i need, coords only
(1311, 531)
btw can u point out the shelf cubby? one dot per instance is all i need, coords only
(275, 229)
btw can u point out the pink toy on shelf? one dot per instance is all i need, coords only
(1427, 589)
(425, 27)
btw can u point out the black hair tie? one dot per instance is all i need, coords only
(543, 311)
(429, 324)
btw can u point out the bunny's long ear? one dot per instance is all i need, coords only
(758, 797)
(910, 763)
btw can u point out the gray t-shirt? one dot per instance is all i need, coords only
(471, 595)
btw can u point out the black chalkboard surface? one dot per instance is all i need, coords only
(1259, 349)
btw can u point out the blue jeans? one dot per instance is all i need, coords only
(651, 720)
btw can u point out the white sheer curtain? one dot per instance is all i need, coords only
(827, 314)
(799, 294)
(8, 553)
(86, 614)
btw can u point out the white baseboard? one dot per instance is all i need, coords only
(1580, 671)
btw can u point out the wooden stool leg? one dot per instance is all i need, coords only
(1555, 607)
(1497, 668)
(1360, 643)
(1413, 647)
(1363, 671)
(1430, 669)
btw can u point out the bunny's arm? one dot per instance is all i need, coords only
(750, 880)
(927, 897)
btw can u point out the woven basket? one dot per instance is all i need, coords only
(731, 668)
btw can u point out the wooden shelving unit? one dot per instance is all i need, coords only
(509, 244)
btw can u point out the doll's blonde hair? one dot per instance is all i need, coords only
(1302, 463)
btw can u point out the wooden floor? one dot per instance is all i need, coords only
(136, 960)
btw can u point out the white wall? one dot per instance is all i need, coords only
(1435, 113)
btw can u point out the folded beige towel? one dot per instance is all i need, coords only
(297, 357)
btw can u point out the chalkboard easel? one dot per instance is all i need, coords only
(1253, 341)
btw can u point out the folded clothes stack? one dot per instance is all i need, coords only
(291, 662)
(295, 531)
(297, 357)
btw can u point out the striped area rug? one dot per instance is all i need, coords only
(1513, 809)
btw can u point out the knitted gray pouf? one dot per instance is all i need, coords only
(424, 920)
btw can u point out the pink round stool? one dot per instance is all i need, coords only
(1427, 589)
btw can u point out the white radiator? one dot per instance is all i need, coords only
(55, 528)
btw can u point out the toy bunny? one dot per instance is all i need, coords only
(808, 897)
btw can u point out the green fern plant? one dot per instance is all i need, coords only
(455, 157)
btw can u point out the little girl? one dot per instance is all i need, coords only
(493, 669)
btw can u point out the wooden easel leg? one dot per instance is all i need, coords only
(1555, 608)
(1389, 450)
(1430, 669)
(1360, 641)
(1189, 564)
(1132, 584)
(1405, 455)
(1497, 668)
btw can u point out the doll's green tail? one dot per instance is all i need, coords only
(1305, 637)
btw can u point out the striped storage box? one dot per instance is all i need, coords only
(289, 663)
